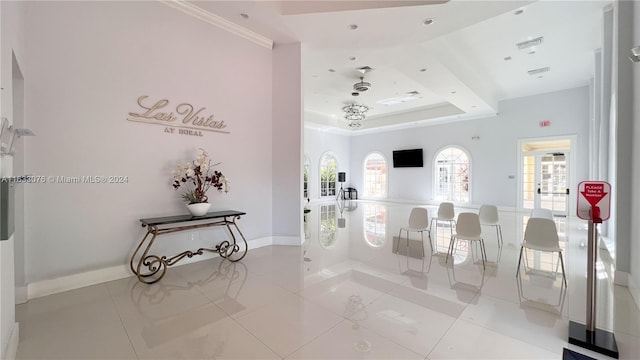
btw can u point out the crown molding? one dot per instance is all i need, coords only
(224, 24)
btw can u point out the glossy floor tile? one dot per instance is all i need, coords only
(352, 290)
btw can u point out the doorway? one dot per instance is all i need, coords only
(545, 176)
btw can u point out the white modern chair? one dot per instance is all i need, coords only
(541, 213)
(541, 235)
(445, 213)
(468, 228)
(489, 217)
(418, 222)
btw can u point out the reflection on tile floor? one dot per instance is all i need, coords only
(352, 290)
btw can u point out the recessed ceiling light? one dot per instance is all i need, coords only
(518, 12)
(244, 16)
(453, 92)
(353, 27)
(423, 70)
(352, 58)
(428, 21)
(331, 70)
(507, 58)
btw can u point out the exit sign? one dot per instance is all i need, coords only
(545, 123)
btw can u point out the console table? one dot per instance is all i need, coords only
(156, 266)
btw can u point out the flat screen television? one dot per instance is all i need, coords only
(407, 158)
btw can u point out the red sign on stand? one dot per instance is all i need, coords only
(594, 200)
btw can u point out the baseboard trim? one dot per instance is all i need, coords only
(65, 283)
(621, 278)
(634, 290)
(286, 240)
(21, 295)
(260, 242)
(14, 340)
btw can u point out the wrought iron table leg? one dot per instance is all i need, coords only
(235, 248)
(154, 263)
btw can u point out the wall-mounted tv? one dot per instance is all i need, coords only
(407, 158)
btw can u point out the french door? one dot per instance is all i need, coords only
(545, 181)
(546, 175)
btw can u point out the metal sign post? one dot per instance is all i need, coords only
(594, 202)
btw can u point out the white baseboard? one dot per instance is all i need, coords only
(53, 286)
(286, 240)
(634, 289)
(14, 340)
(621, 278)
(65, 283)
(260, 242)
(21, 295)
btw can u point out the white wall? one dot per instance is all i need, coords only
(635, 179)
(88, 63)
(316, 143)
(11, 15)
(287, 142)
(622, 132)
(493, 156)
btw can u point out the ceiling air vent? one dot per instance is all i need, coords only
(539, 70)
(530, 43)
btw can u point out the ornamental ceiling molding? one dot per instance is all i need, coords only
(220, 22)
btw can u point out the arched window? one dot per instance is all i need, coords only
(307, 166)
(375, 175)
(328, 171)
(452, 175)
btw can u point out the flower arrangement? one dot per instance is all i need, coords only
(200, 173)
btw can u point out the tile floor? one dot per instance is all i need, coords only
(344, 294)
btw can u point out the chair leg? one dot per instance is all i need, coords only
(519, 262)
(450, 250)
(564, 277)
(431, 227)
(483, 254)
(423, 253)
(498, 236)
(398, 242)
(501, 239)
(431, 242)
(407, 249)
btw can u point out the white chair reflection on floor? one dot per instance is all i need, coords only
(468, 229)
(541, 235)
(446, 213)
(418, 222)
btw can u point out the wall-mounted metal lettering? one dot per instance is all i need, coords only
(184, 116)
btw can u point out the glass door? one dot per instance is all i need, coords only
(545, 181)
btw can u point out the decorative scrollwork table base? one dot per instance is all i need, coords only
(151, 268)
